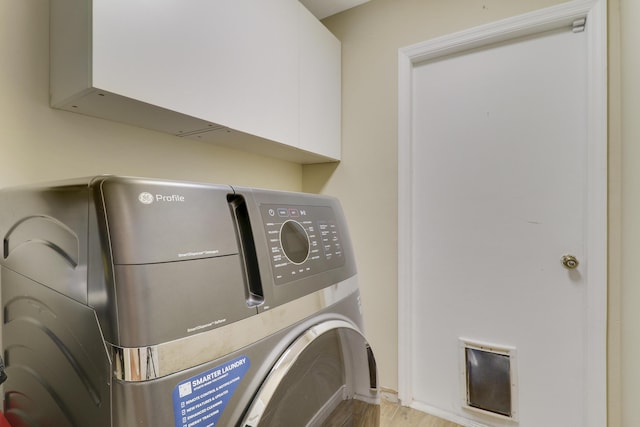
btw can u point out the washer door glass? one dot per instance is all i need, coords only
(326, 377)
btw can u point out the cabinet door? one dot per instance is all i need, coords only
(230, 61)
(320, 87)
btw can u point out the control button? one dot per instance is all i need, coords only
(293, 212)
(283, 212)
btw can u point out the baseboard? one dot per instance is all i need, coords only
(445, 415)
(389, 395)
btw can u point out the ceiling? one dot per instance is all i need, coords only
(323, 8)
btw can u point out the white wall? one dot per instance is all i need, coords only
(38, 143)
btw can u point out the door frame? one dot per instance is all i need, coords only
(596, 216)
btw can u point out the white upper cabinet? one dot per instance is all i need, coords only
(257, 75)
(320, 87)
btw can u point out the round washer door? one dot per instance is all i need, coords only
(326, 377)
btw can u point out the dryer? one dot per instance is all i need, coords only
(143, 302)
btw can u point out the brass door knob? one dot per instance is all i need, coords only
(570, 262)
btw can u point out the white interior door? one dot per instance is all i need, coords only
(499, 194)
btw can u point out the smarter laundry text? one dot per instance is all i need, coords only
(217, 373)
(200, 401)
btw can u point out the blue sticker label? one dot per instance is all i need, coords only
(200, 400)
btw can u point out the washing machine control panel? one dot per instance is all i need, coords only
(303, 240)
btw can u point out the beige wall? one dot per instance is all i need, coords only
(629, 244)
(38, 143)
(366, 179)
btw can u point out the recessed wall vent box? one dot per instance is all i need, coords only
(489, 379)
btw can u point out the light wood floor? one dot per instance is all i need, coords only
(356, 413)
(394, 415)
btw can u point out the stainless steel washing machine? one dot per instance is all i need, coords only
(140, 302)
